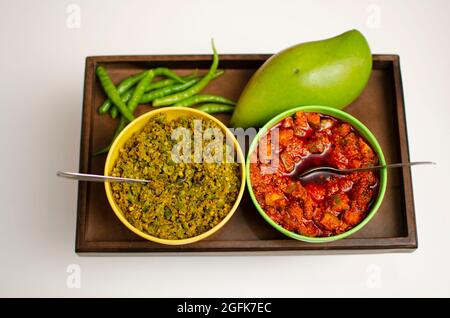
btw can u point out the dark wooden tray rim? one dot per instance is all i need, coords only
(350, 245)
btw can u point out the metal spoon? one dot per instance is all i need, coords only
(345, 171)
(96, 177)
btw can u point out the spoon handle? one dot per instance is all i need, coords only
(96, 177)
(392, 165)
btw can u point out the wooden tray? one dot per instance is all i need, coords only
(380, 107)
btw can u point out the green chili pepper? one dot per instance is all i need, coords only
(164, 84)
(132, 80)
(197, 99)
(153, 86)
(123, 86)
(159, 84)
(160, 71)
(167, 91)
(161, 92)
(172, 99)
(212, 108)
(145, 99)
(164, 71)
(167, 82)
(111, 92)
(174, 89)
(123, 122)
(125, 98)
(139, 91)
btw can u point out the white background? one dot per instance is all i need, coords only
(41, 73)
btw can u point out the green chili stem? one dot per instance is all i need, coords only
(172, 99)
(139, 91)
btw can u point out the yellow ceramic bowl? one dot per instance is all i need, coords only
(136, 126)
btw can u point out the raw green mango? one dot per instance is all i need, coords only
(331, 72)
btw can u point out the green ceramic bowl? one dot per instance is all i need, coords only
(363, 130)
